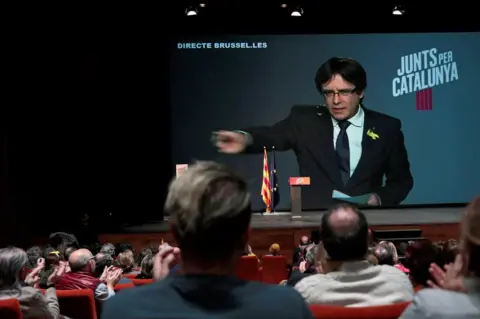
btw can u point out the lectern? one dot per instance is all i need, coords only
(296, 184)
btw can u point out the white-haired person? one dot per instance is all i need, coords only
(16, 282)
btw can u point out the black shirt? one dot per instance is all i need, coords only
(207, 296)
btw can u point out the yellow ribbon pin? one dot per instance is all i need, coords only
(372, 134)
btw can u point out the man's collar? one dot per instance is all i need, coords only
(357, 120)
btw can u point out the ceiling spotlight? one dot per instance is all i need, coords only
(298, 12)
(398, 11)
(191, 11)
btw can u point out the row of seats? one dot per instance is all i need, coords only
(81, 304)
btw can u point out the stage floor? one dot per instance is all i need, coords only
(375, 217)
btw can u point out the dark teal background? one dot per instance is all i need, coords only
(233, 88)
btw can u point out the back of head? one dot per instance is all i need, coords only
(79, 259)
(209, 208)
(126, 260)
(68, 251)
(108, 248)
(102, 260)
(33, 254)
(146, 266)
(12, 261)
(384, 255)
(420, 255)
(470, 235)
(344, 233)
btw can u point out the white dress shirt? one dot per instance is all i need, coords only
(355, 137)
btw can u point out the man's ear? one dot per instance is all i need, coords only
(361, 94)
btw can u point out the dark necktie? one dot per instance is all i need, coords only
(343, 151)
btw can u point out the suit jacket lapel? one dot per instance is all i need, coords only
(321, 146)
(368, 144)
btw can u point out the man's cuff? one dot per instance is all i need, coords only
(247, 135)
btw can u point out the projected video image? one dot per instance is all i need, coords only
(374, 119)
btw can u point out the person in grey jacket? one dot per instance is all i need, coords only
(13, 267)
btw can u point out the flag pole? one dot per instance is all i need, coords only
(274, 180)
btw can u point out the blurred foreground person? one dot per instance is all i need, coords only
(206, 203)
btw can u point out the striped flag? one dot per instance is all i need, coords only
(275, 194)
(266, 188)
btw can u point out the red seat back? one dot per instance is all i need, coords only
(10, 309)
(274, 269)
(77, 303)
(378, 312)
(248, 268)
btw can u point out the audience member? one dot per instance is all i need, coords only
(348, 279)
(108, 248)
(146, 268)
(126, 262)
(82, 276)
(457, 286)
(384, 255)
(274, 250)
(206, 203)
(420, 255)
(13, 267)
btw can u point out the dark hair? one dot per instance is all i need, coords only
(349, 69)
(102, 260)
(420, 255)
(33, 253)
(348, 244)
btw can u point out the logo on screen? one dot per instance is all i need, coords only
(421, 71)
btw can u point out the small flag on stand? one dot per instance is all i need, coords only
(266, 188)
(275, 193)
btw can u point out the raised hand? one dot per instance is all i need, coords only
(165, 259)
(451, 278)
(229, 142)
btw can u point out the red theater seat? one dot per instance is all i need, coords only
(378, 312)
(248, 269)
(77, 303)
(274, 269)
(10, 309)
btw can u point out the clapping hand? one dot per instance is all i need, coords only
(33, 277)
(58, 272)
(113, 276)
(166, 258)
(451, 278)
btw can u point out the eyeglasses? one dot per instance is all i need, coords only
(343, 92)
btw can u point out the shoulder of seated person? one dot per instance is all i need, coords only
(439, 300)
(312, 279)
(29, 292)
(281, 291)
(390, 270)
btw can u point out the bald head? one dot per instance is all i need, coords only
(343, 220)
(79, 259)
(304, 241)
(344, 233)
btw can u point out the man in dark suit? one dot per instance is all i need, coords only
(341, 145)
